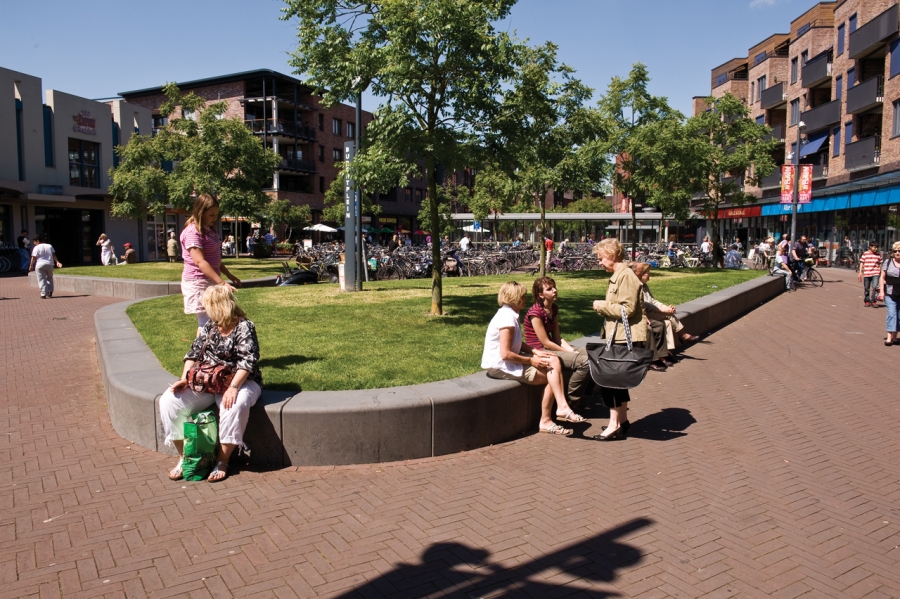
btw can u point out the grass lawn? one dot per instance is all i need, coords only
(318, 338)
(242, 268)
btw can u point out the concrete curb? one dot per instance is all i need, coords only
(320, 428)
(128, 289)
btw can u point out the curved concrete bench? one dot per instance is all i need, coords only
(129, 289)
(318, 428)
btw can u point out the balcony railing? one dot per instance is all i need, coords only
(726, 77)
(862, 154)
(865, 96)
(279, 127)
(773, 96)
(816, 71)
(777, 134)
(871, 36)
(822, 116)
(772, 180)
(294, 164)
(820, 171)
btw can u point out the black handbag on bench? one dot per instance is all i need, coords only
(617, 366)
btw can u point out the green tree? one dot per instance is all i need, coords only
(210, 153)
(558, 143)
(729, 150)
(287, 216)
(439, 65)
(494, 193)
(587, 205)
(652, 151)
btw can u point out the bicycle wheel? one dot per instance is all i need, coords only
(5, 264)
(815, 278)
(389, 273)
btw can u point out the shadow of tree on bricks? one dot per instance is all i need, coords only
(664, 425)
(455, 570)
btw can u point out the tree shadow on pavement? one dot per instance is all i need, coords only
(455, 570)
(665, 425)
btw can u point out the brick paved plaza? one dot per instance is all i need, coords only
(766, 465)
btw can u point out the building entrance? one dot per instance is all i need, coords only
(72, 232)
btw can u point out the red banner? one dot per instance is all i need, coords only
(806, 175)
(744, 212)
(787, 183)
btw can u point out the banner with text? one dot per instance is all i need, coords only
(787, 183)
(806, 176)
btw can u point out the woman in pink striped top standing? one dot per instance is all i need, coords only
(201, 249)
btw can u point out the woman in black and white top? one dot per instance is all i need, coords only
(229, 338)
(889, 291)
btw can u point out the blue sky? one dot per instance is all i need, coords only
(97, 48)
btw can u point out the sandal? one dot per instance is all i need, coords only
(176, 473)
(570, 416)
(555, 429)
(220, 469)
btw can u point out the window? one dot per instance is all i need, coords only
(848, 134)
(895, 57)
(895, 127)
(84, 163)
(794, 70)
(852, 23)
(804, 57)
(48, 137)
(761, 119)
(337, 154)
(351, 130)
(321, 184)
(752, 92)
(836, 146)
(419, 191)
(760, 86)
(840, 40)
(838, 87)
(159, 122)
(851, 78)
(795, 111)
(187, 114)
(321, 122)
(408, 195)
(336, 126)
(321, 153)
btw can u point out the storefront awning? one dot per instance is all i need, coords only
(814, 144)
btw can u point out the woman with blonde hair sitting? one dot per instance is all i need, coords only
(506, 357)
(229, 338)
(658, 311)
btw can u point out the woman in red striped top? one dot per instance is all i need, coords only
(869, 271)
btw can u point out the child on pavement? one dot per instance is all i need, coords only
(542, 332)
(869, 271)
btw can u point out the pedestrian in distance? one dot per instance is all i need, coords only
(506, 357)
(130, 256)
(889, 291)
(172, 247)
(107, 251)
(43, 259)
(24, 250)
(202, 255)
(869, 272)
(624, 290)
(464, 243)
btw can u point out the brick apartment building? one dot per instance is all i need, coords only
(289, 118)
(836, 70)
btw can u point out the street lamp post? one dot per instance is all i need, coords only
(795, 199)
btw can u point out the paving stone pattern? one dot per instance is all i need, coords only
(765, 465)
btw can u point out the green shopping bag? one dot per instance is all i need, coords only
(200, 439)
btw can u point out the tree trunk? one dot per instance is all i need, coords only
(437, 300)
(633, 230)
(543, 264)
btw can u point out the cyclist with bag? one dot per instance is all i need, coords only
(222, 367)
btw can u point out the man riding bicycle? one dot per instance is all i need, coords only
(799, 254)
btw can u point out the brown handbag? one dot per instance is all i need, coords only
(205, 377)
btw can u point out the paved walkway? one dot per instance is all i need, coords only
(766, 465)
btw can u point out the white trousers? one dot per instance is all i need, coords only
(175, 409)
(44, 273)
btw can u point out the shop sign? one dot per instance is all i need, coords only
(806, 175)
(745, 212)
(386, 219)
(787, 183)
(84, 123)
(367, 219)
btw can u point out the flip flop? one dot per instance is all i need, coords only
(176, 473)
(221, 467)
(555, 429)
(570, 416)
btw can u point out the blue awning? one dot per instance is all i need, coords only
(842, 202)
(814, 144)
(829, 203)
(816, 206)
(868, 199)
(882, 197)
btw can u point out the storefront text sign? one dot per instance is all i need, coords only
(744, 212)
(787, 183)
(806, 175)
(84, 123)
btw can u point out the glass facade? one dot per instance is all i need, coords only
(84, 163)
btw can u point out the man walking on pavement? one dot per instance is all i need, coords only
(24, 255)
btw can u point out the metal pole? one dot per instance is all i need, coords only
(795, 197)
(350, 236)
(361, 253)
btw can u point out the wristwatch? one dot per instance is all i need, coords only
(233, 386)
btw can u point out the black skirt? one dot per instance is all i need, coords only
(613, 398)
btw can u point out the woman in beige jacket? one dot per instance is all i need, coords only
(625, 290)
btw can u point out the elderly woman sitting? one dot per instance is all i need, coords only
(506, 357)
(660, 312)
(228, 338)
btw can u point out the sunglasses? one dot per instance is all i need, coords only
(895, 251)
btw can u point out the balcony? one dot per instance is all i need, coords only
(822, 116)
(862, 154)
(870, 37)
(865, 96)
(300, 165)
(820, 171)
(816, 71)
(777, 134)
(772, 97)
(279, 127)
(771, 181)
